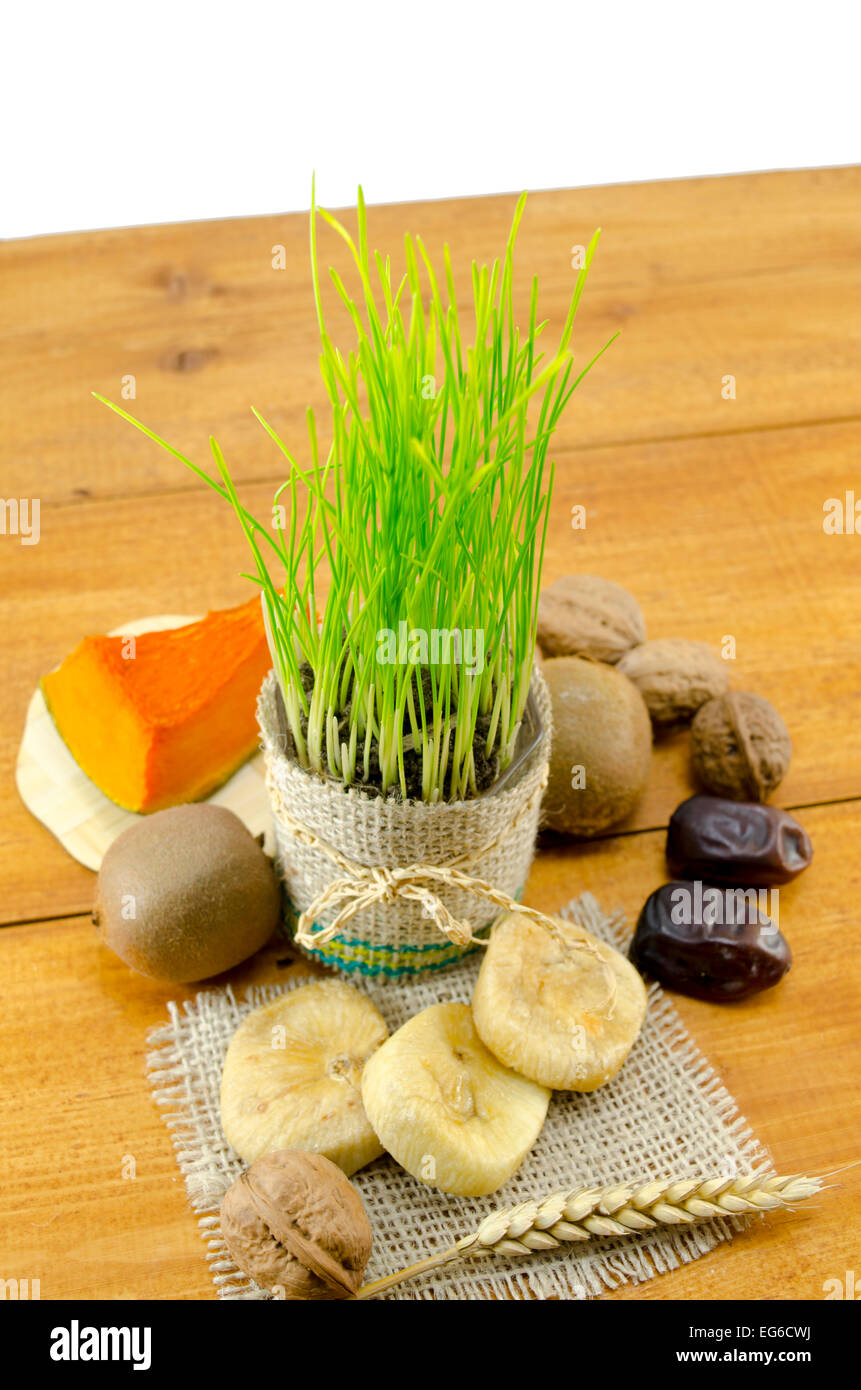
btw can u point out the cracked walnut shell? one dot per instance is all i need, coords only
(740, 746)
(296, 1226)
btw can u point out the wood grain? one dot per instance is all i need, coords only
(709, 509)
(746, 558)
(754, 276)
(74, 1103)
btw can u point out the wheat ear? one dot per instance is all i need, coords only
(586, 1213)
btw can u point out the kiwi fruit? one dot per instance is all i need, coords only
(186, 893)
(602, 746)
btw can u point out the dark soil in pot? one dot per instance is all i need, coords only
(486, 769)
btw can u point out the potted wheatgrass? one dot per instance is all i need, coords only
(405, 730)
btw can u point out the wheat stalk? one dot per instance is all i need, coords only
(587, 1213)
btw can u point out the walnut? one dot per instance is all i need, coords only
(740, 746)
(584, 615)
(675, 677)
(296, 1225)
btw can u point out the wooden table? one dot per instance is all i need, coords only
(703, 448)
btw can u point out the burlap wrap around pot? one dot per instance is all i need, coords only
(491, 838)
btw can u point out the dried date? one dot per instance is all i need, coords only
(745, 842)
(712, 942)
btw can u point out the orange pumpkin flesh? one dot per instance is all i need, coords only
(170, 722)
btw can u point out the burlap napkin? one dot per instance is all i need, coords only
(665, 1115)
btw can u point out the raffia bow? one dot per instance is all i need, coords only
(364, 885)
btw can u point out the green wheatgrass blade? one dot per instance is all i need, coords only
(427, 511)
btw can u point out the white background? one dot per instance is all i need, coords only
(122, 113)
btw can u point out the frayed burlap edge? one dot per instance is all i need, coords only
(666, 1114)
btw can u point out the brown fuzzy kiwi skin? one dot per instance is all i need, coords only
(600, 722)
(203, 894)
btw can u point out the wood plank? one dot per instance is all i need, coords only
(753, 276)
(716, 536)
(74, 1101)
(710, 510)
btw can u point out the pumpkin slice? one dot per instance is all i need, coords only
(166, 717)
